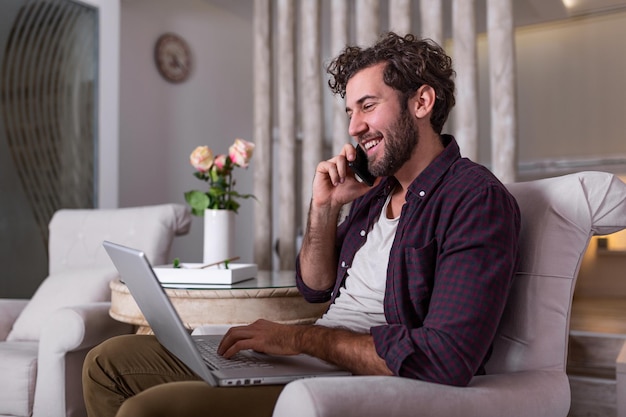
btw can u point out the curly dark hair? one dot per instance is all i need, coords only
(411, 63)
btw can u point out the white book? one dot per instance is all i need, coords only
(191, 274)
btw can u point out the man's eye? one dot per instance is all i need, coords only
(368, 106)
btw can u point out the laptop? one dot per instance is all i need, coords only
(198, 351)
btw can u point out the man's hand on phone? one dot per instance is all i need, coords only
(334, 184)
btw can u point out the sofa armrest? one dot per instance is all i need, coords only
(10, 309)
(521, 394)
(620, 374)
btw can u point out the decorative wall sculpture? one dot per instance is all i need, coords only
(48, 81)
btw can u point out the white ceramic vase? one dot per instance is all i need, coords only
(219, 235)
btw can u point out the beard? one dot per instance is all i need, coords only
(400, 142)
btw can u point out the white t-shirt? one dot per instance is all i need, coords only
(359, 305)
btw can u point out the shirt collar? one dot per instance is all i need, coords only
(429, 178)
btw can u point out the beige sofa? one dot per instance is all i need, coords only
(526, 373)
(43, 341)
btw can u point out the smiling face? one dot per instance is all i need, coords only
(378, 121)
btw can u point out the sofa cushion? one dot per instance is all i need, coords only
(63, 289)
(18, 362)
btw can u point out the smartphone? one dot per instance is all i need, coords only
(359, 167)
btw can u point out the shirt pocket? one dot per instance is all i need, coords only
(418, 271)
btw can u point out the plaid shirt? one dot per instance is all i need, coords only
(449, 270)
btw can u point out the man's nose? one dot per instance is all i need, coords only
(357, 125)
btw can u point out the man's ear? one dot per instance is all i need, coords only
(424, 101)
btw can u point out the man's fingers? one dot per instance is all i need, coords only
(240, 345)
(240, 338)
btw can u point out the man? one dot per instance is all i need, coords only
(418, 272)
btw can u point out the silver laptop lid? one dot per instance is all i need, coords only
(135, 269)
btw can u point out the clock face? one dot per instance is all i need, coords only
(173, 57)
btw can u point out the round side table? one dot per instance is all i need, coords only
(272, 295)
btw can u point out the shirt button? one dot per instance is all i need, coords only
(362, 232)
(343, 264)
(422, 193)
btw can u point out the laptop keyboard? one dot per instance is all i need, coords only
(208, 349)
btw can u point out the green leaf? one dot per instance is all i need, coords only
(198, 201)
(232, 205)
(214, 174)
(201, 176)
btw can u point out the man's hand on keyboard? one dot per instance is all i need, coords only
(262, 336)
(353, 351)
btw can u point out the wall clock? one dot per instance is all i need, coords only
(172, 57)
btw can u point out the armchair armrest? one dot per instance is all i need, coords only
(66, 337)
(80, 327)
(370, 396)
(10, 309)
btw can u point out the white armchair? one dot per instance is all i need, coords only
(44, 340)
(526, 373)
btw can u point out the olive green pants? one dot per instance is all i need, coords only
(134, 376)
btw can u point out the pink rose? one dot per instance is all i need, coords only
(201, 158)
(241, 152)
(220, 161)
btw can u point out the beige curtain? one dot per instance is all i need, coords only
(262, 134)
(464, 41)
